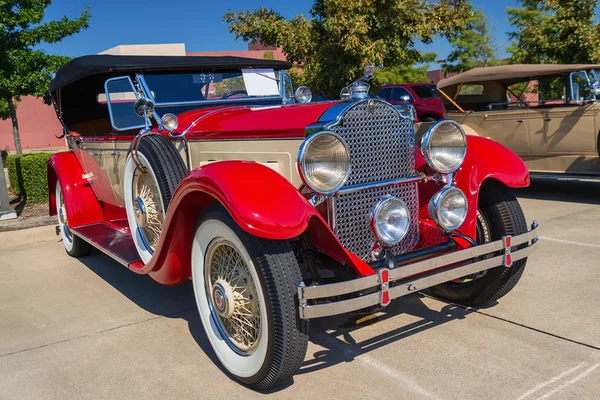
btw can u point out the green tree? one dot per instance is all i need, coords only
(344, 36)
(554, 31)
(24, 70)
(474, 47)
(404, 73)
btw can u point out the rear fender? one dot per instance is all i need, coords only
(81, 204)
(259, 200)
(486, 160)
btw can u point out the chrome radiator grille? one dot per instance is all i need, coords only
(382, 147)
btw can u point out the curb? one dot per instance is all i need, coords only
(28, 236)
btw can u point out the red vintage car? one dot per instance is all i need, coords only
(424, 97)
(279, 210)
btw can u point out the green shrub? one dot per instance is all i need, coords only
(27, 175)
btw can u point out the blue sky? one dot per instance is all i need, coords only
(197, 23)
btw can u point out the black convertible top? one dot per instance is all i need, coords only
(85, 66)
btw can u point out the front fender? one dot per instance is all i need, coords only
(81, 204)
(260, 201)
(485, 160)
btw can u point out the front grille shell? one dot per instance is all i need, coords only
(382, 148)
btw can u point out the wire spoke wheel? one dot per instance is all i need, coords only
(233, 296)
(148, 207)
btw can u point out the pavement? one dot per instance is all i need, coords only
(89, 328)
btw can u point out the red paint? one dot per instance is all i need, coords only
(425, 107)
(384, 280)
(507, 255)
(485, 160)
(277, 122)
(81, 204)
(260, 201)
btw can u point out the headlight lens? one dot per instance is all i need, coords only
(444, 146)
(390, 221)
(303, 94)
(448, 208)
(169, 122)
(324, 162)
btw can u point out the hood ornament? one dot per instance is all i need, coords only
(359, 89)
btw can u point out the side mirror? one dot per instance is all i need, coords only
(126, 109)
(406, 98)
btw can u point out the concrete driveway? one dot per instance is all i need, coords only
(89, 328)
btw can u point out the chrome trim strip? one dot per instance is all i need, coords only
(358, 188)
(434, 267)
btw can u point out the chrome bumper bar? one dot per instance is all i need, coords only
(387, 284)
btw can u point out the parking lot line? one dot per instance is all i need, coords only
(569, 383)
(597, 246)
(546, 383)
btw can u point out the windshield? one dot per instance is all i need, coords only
(171, 89)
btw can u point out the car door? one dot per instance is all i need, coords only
(509, 127)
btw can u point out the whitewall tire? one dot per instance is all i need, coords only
(148, 191)
(249, 311)
(74, 245)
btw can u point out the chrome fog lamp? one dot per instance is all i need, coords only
(390, 220)
(169, 122)
(444, 146)
(324, 162)
(303, 94)
(448, 208)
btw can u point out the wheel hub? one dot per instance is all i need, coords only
(139, 210)
(223, 299)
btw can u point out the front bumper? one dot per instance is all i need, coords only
(320, 300)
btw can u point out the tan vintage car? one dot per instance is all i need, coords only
(547, 114)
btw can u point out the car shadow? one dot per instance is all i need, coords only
(568, 191)
(337, 336)
(333, 336)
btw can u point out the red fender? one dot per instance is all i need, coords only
(487, 159)
(260, 201)
(81, 203)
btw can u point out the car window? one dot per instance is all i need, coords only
(471, 90)
(425, 91)
(385, 94)
(398, 92)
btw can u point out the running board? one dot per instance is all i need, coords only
(117, 244)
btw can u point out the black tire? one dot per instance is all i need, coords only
(279, 275)
(161, 159)
(166, 163)
(81, 248)
(501, 211)
(430, 119)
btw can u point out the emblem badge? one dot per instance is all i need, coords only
(371, 105)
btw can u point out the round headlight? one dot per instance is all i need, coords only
(169, 122)
(324, 162)
(303, 94)
(390, 220)
(448, 208)
(444, 146)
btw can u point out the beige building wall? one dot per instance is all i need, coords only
(170, 49)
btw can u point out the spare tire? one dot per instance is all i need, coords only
(147, 194)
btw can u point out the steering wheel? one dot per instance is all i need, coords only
(233, 93)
